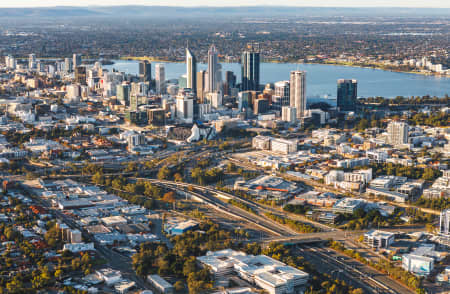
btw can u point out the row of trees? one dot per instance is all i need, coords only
(390, 169)
(437, 204)
(293, 224)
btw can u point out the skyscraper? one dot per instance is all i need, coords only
(298, 92)
(76, 60)
(201, 84)
(230, 82)
(145, 71)
(397, 133)
(68, 66)
(160, 78)
(80, 75)
(185, 105)
(211, 85)
(191, 71)
(123, 94)
(31, 61)
(347, 94)
(250, 69)
(281, 95)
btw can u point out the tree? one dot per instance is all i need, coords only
(58, 274)
(98, 178)
(164, 173)
(177, 177)
(169, 197)
(179, 286)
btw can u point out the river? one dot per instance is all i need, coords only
(321, 79)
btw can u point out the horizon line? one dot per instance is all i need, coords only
(218, 6)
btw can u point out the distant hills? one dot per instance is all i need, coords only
(189, 12)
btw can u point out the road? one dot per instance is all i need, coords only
(216, 195)
(256, 220)
(351, 271)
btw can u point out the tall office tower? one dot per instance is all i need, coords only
(32, 61)
(250, 69)
(76, 60)
(213, 58)
(51, 69)
(397, 133)
(201, 83)
(160, 78)
(68, 65)
(298, 92)
(347, 94)
(444, 223)
(281, 95)
(230, 82)
(185, 105)
(145, 71)
(10, 62)
(191, 71)
(123, 94)
(80, 75)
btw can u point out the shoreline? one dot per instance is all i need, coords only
(152, 59)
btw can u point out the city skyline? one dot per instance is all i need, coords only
(302, 3)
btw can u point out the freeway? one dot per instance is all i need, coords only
(256, 220)
(261, 209)
(352, 271)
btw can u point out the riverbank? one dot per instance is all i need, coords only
(349, 64)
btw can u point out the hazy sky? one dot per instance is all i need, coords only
(334, 3)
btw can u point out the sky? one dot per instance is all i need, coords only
(314, 3)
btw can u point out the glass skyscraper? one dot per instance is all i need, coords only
(250, 70)
(347, 94)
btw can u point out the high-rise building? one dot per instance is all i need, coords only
(191, 71)
(68, 66)
(185, 105)
(397, 133)
(289, 114)
(80, 75)
(250, 69)
(201, 84)
(76, 60)
(123, 94)
(281, 95)
(145, 71)
(160, 77)
(213, 59)
(444, 223)
(347, 94)
(10, 62)
(298, 92)
(230, 82)
(260, 106)
(214, 98)
(182, 82)
(32, 61)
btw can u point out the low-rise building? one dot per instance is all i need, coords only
(109, 276)
(378, 239)
(267, 273)
(160, 284)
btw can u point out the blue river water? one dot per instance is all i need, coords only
(321, 79)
